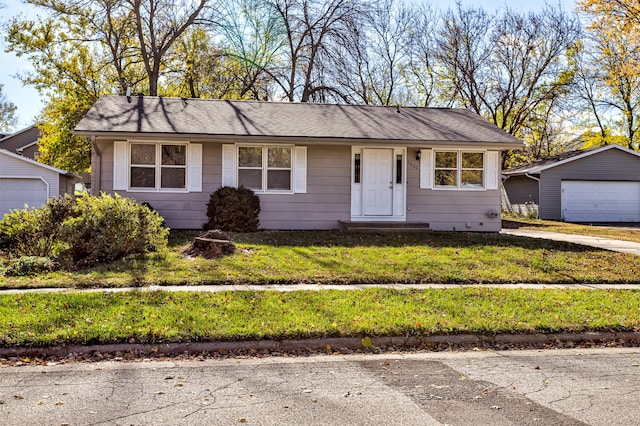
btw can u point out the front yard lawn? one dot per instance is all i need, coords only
(155, 317)
(336, 257)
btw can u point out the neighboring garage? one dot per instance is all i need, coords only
(17, 192)
(588, 186)
(26, 182)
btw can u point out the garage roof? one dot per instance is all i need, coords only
(542, 164)
(36, 163)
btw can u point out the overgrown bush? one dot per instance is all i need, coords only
(35, 232)
(83, 231)
(233, 209)
(107, 228)
(29, 265)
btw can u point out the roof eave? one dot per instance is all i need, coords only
(412, 143)
(533, 171)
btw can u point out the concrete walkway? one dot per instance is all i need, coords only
(317, 287)
(585, 240)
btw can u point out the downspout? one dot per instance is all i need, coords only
(537, 180)
(96, 167)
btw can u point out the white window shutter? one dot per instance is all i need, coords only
(195, 167)
(120, 166)
(229, 165)
(300, 169)
(493, 170)
(426, 169)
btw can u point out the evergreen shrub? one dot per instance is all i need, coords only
(234, 210)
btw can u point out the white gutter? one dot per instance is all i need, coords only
(532, 177)
(97, 170)
(537, 180)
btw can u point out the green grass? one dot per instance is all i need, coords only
(154, 317)
(342, 258)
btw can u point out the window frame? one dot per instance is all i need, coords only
(459, 169)
(265, 167)
(158, 166)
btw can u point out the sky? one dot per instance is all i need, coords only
(28, 100)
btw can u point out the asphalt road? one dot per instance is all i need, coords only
(547, 387)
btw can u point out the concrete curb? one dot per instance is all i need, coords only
(459, 341)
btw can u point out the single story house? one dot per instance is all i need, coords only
(593, 185)
(26, 182)
(313, 166)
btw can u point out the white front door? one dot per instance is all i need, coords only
(377, 182)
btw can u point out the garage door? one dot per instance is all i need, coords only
(598, 201)
(15, 193)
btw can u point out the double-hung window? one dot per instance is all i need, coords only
(459, 169)
(158, 166)
(265, 168)
(471, 169)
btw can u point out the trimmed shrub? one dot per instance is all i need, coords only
(83, 231)
(233, 209)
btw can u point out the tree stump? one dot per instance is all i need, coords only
(211, 244)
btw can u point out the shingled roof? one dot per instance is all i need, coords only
(114, 115)
(551, 161)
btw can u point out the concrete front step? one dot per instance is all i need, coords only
(383, 226)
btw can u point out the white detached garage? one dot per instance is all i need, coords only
(589, 186)
(25, 182)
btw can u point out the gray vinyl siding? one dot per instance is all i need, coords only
(326, 201)
(450, 210)
(31, 152)
(66, 185)
(610, 165)
(328, 196)
(180, 210)
(521, 190)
